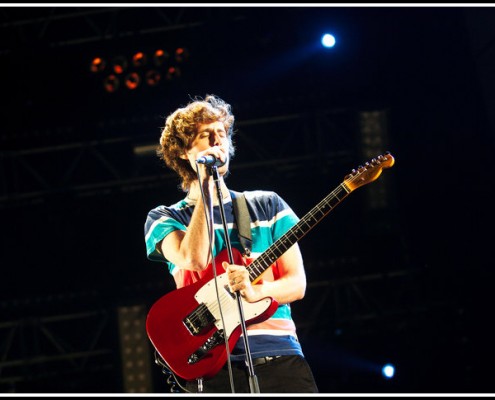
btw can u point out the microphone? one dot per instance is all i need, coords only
(210, 161)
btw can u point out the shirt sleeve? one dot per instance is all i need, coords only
(159, 224)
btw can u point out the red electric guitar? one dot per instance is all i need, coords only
(186, 326)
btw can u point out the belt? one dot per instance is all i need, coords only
(263, 360)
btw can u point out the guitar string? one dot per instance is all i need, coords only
(280, 243)
(200, 312)
(317, 213)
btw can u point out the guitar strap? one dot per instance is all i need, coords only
(243, 220)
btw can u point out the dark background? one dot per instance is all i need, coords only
(401, 272)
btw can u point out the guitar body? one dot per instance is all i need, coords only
(183, 322)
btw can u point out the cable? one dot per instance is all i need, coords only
(172, 380)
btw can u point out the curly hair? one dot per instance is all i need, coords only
(181, 128)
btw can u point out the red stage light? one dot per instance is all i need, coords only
(111, 83)
(132, 80)
(97, 65)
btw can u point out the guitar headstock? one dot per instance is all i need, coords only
(369, 172)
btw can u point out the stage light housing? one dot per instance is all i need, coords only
(119, 65)
(160, 57)
(111, 83)
(98, 64)
(139, 59)
(181, 54)
(173, 73)
(153, 77)
(132, 80)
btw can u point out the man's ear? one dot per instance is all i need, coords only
(184, 156)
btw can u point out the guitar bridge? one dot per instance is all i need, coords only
(200, 319)
(214, 340)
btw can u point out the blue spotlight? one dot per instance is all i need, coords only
(328, 40)
(388, 371)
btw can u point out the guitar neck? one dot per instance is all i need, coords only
(303, 226)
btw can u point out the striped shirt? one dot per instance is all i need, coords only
(271, 217)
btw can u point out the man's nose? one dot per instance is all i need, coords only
(216, 140)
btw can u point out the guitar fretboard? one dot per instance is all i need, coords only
(303, 226)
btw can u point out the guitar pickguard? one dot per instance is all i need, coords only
(227, 306)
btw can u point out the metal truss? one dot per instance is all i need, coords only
(366, 304)
(55, 27)
(278, 144)
(50, 351)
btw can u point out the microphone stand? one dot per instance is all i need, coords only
(253, 380)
